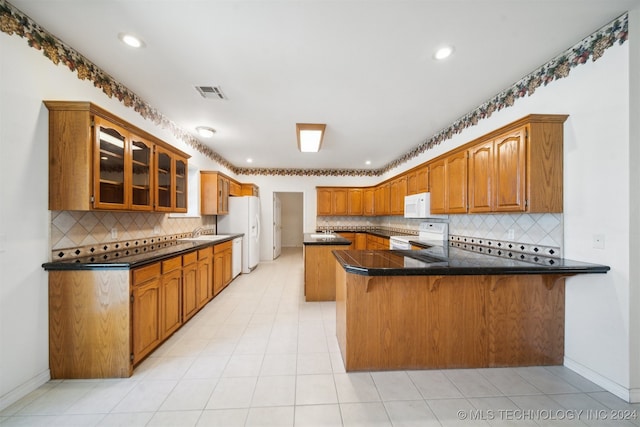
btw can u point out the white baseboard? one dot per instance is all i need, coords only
(628, 395)
(22, 390)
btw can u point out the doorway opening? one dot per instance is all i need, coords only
(288, 221)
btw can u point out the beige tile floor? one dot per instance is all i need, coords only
(258, 355)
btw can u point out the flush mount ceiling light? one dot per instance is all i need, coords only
(205, 132)
(443, 52)
(131, 40)
(310, 136)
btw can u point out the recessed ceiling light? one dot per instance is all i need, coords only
(131, 40)
(368, 162)
(443, 52)
(249, 160)
(205, 132)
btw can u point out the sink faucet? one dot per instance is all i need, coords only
(197, 232)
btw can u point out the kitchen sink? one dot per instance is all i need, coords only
(206, 238)
(323, 236)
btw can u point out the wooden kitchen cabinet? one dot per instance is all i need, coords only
(397, 191)
(481, 178)
(214, 193)
(172, 294)
(437, 188)
(171, 179)
(205, 277)
(104, 321)
(422, 179)
(146, 310)
(381, 199)
(448, 181)
(341, 201)
(368, 201)
(324, 197)
(518, 168)
(361, 242)
(189, 285)
(377, 242)
(250, 190)
(351, 237)
(235, 189)
(354, 201)
(222, 260)
(456, 183)
(99, 161)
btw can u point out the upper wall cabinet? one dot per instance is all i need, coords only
(449, 184)
(215, 188)
(171, 182)
(99, 161)
(339, 201)
(517, 168)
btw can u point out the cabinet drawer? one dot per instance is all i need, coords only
(204, 253)
(171, 264)
(142, 274)
(222, 247)
(189, 258)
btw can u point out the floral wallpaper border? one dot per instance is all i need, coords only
(14, 22)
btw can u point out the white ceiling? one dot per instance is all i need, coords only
(363, 67)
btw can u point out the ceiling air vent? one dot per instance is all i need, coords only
(212, 92)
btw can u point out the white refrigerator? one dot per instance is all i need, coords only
(244, 217)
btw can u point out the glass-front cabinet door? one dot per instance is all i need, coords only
(110, 159)
(141, 174)
(164, 179)
(181, 185)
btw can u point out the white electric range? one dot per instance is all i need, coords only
(435, 234)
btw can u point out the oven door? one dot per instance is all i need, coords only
(398, 244)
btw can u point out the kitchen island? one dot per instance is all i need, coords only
(414, 310)
(319, 274)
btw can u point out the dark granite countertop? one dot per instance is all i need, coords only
(136, 257)
(337, 240)
(458, 262)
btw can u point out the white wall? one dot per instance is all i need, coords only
(599, 330)
(26, 79)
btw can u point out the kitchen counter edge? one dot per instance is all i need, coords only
(564, 267)
(182, 246)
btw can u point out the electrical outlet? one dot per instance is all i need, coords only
(156, 230)
(114, 233)
(511, 234)
(598, 241)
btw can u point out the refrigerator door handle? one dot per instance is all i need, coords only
(257, 226)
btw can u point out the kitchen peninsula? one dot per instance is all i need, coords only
(413, 310)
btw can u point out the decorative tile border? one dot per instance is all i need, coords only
(512, 250)
(121, 248)
(12, 21)
(107, 250)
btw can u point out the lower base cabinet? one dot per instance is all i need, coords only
(222, 258)
(146, 310)
(103, 322)
(189, 285)
(172, 297)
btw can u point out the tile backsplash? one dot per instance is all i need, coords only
(72, 229)
(530, 229)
